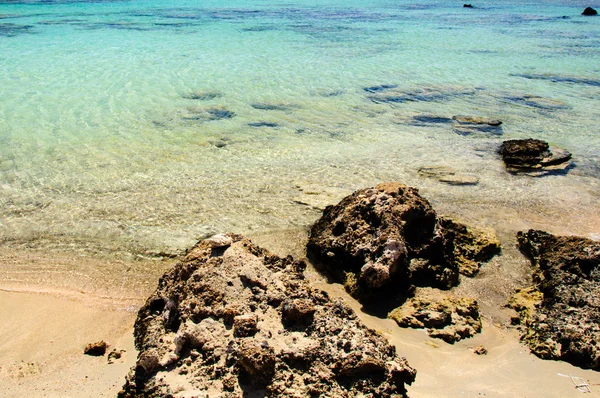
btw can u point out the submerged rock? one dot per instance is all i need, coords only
(381, 241)
(469, 125)
(589, 11)
(208, 114)
(233, 320)
(561, 313)
(448, 175)
(533, 155)
(450, 318)
(476, 120)
(556, 78)
(273, 107)
(202, 95)
(428, 120)
(537, 102)
(380, 88)
(393, 95)
(263, 124)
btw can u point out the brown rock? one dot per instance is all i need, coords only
(258, 361)
(450, 318)
(470, 125)
(472, 246)
(381, 241)
(96, 349)
(524, 153)
(241, 321)
(297, 312)
(115, 355)
(476, 120)
(534, 157)
(561, 313)
(480, 350)
(245, 325)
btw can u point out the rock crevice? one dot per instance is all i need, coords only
(561, 313)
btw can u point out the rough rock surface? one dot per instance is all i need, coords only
(450, 319)
(233, 320)
(472, 246)
(96, 349)
(533, 155)
(381, 241)
(566, 324)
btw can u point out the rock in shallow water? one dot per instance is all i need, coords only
(202, 95)
(562, 316)
(447, 175)
(471, 125)
(235, 320)
(534, 157)
(381, 241)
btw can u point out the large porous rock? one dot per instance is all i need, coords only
(380, 242)
(234, 320)
(534, 157)
(448, 318)
(563, 320)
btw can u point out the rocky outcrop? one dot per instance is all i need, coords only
(450, 318)
(564, 323)
(533, 156)
(380, 242)
(589, 11)
(234, 320)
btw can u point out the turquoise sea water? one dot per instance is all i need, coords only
(141, 126)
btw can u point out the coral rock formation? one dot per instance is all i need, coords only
(233, 320)
(566, 323)
(450, 319)
(380, 242)
(472, 246)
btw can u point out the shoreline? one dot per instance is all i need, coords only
(72, 318)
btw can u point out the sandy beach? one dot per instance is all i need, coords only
(48, 318)
(129, 130)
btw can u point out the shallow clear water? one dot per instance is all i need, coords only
(141, 126)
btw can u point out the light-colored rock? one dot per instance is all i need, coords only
(243, 321)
